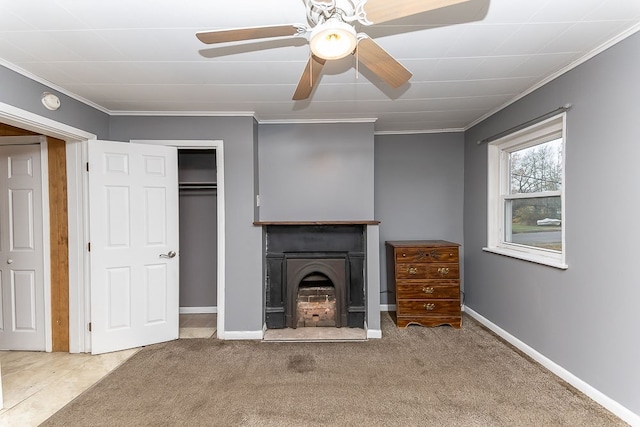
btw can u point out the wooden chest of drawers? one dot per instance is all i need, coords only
(426, 275)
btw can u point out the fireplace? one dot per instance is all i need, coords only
(314, 276)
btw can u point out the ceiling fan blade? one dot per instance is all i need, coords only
(377, 11)
(381, 63)
(249, 33)
(309, 78)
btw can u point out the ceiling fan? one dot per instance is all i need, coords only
(332, 35)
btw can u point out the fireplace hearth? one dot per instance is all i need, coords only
(314, 276)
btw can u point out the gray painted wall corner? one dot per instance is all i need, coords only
(583, 319)
(419, 186)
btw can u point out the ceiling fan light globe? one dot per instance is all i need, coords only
(333, 40)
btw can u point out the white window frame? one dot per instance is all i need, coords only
(498, 191)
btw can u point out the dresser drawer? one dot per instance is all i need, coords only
(427, 271)
(445, 254)
(439, 290)
(428, 307)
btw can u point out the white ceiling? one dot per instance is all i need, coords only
(467, 60)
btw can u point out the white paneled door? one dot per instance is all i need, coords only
(22, 323)
(133, 208)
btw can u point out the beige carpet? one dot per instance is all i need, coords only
(411, 377)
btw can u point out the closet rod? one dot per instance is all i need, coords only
(521, 126)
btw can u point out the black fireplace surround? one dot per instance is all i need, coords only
(298, 250)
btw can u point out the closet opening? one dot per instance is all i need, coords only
(197, 179)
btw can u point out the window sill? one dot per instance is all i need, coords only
(538, 259)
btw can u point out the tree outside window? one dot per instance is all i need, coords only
(536, 171)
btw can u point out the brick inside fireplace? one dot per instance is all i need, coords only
(316, 306)
(314, 276)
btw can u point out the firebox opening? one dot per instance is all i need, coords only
(316, 302)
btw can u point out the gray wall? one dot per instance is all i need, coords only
(24, 93)
(198, 228)
(418, 191)
(316, 172)
(198, 248)
(586, 318)
(243, 262)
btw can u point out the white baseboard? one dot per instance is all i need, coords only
(374, 334)
(622, 412)
(198, 310)
(243, 335)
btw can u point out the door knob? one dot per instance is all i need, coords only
(169, 254)
(9, 261)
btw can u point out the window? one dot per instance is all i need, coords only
(526, 194)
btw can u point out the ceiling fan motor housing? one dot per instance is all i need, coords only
(319, 11)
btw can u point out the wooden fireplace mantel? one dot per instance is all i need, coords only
(360, 222)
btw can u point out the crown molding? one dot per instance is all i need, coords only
(418, 132)
(314, 121)
(184, 113)
(52, 86)
(533, 88)
(574, 64)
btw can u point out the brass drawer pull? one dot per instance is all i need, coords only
(443, 271)
(429, 306)
(412, 270)
(428, 290)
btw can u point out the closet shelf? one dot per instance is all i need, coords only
(197, 185)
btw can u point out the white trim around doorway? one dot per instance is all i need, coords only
(76, 139)
(218, 146)
(29, 121)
